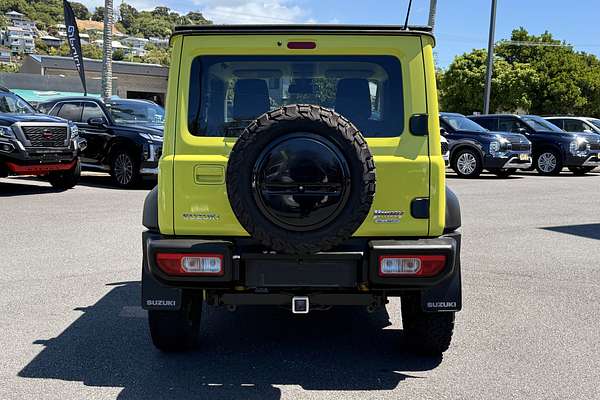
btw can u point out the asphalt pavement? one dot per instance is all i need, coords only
(71, 326)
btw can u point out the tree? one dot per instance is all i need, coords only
(196, 18)
(98, 14)
(40, 46)
(158, 56)
(118, 55)
(548, 79)
(9, 67)
(80, 11)
(128, 15)
(3, 22)
(461, 86)
(161, 11)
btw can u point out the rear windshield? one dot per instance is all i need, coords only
(227, 92)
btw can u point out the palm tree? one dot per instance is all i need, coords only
(107, 49)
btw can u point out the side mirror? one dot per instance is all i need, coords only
(99, 122)
(443, 132)
(522, 131)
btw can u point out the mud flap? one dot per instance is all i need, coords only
(447, 296)
(155, 295)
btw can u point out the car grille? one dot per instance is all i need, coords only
(594, 146)
(45, 136)
(445, 147)
(520, 146)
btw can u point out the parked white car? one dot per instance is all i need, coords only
(445, 150)
(577, 124)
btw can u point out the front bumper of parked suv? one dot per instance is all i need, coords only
(150, 157)
(351, 274)
(591, 159)
(28, 157)
(509, 160)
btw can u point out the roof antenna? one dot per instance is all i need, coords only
(407, 15)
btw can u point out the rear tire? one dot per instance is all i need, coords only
(429, 333)
(467, 163)
(67, 179)
(124, 169)
(179, 330)
(501, 173)
(548, 163)
(581, 170)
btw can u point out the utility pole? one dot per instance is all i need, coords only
(107, 50)
(490, 61)
(432, 11)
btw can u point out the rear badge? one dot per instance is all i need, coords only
(387, 216)
(201, 216)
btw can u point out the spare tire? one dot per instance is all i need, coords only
(301, 179)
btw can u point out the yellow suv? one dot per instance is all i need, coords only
(301, 167)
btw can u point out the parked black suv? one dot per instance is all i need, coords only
(473, 148)
(36, 144)
(553, 148)
(124, 136)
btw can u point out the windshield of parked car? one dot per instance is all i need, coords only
(596, 122)
(137, 113)
(462, 123)
(228, 92)
(10, 103)
(540, 124)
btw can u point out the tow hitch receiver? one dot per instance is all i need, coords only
(300, 305)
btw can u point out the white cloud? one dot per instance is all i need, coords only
(252, 12)
(229, 11)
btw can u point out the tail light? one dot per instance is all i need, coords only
(190, 264)
(410, 265)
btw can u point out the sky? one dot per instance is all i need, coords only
(461, 25)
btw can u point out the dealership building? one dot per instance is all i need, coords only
(130, 80)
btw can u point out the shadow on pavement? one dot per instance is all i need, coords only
(243, 355)
(590, 231)
(10, 188)
(482, 177)
(104, 181)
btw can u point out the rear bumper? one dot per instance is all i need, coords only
(347, 276)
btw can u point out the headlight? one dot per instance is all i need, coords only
(579, 147)
(152, 138)
(6, 132)
(74, 131)
(494, 147)
(500, 147)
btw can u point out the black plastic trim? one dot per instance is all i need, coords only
(150, 215)
(453, 217)
(419, 208)
(419, 124)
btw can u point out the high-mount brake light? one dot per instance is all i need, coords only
(411, 265)
(302, 45)
(184, 264)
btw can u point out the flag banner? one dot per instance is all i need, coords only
(74, 42)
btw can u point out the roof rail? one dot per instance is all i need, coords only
(298, 28)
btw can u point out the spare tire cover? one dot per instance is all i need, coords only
(301, 179)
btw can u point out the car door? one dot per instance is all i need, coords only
(558, 122)
(97, 136)
(72, 112)
(576, 125)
